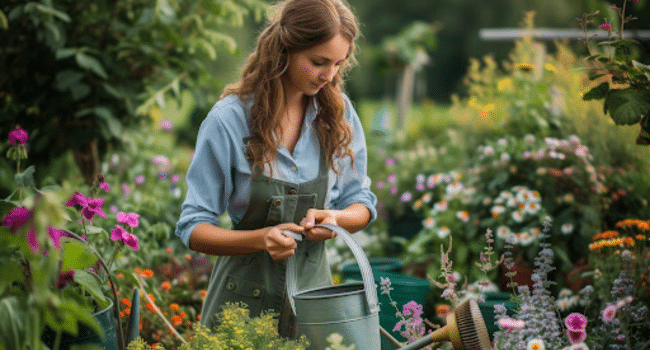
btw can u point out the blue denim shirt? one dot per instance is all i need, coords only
(218, 178)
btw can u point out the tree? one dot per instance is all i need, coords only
(74, 73)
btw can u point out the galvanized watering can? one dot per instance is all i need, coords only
(350, 309)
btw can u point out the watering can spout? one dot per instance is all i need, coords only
(133, 331)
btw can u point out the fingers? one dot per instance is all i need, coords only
(279, 245)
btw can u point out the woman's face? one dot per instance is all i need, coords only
(310, 69)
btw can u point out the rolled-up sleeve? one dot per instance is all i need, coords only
(208, 178)
(353, 185)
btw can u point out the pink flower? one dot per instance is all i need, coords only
(412, 309)
(608, 313)
(167, 125)
(576, 337)
(130, 219)
(32, 241)
(18, 136)
(606, 26)
(175, 178)
(16, 218)
(390, 161)
(93, 206)
(126, 190)
(139, 180)
(510, 323)
(576, 322)
(406, 196)
(120, 234)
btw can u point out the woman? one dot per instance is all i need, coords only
(282, 150)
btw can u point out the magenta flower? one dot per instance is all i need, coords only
(405, 197)
(126, 190)
(139, 180)
(412, 309)
(608, 313)
(120, 234)
(94, 206)
(390, 161)
(77, 199)
(32, 241)
(65, 277)
(576, 337)
(55, 235)
(576, 322)
(104, 186)
(18, 136)
(175, 178)
(16, 218)
(130, 219)
(606, 26)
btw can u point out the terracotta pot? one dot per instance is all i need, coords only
(523, 276)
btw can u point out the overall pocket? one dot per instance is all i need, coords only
(244, 291)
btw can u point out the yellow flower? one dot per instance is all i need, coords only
(503, 84)
(472, 102)
(551, 68)
(526, 67)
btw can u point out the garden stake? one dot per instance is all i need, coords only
(465, 330)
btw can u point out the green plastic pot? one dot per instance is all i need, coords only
(487, 309)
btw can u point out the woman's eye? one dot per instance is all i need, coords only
(318, 63)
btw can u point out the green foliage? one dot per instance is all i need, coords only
(76, 74)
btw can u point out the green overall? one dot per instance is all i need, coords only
(256, 279)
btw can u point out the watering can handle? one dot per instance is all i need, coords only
(359, 255)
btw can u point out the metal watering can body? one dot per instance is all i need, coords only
(350, 310)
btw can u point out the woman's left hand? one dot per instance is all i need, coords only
(314, 217)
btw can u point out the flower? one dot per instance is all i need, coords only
(608, 313)
(104, 186)
(606, 26)
(576, 322)
(130, 219)
(508, 323)
(120, 234)
(18, 136)
(16, 218)
(576, 337)
(89, 206)
(536, 344)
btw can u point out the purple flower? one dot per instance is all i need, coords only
(405, 197)
(65, 277)
(606, 26)
(16, 218)
(412, 309)
(139, 180)
(120, 234)
(175, 178)
(576, 322)
(94, 206)
(130, 219)
(391, 179)
(126, 190)
(104, 186)
(576, 337)
(167, 125)
(390, 161)
(18, 136)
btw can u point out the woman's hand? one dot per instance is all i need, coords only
(279, 245)
(314, 217)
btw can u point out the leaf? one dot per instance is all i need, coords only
(626, 106)
(65, 53)
(4, 23)
(207, 47)
(66, 79)
(91, 63)
(13, 330)
(26, 178)
(597, 93)
(92, 283)
(94, 230)
(77, 256)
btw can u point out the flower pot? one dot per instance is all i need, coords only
(523, 276)
(86, 335)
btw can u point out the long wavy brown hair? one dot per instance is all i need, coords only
(296, 25)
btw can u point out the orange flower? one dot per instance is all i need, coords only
(153, 300)
(629, 241)
(183, 314)
(166, 286)
(119, 275)
(169, 250)
(643, 225)
(126, 302)
(151, 307)
(174, 306)
(605, 235)
(198, 317)
(203, 293)
(166, 313)
(187, 257)
(176, 321)
(641, 237)
(122, 314)
(127, 311)
(146, 273)
(137, 270)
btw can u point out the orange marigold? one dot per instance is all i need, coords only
(174, 306)
(151, 307)
(126, 302)
(169, 250)
(152, 298)
(643, 225)
(166, 286)
(605, 235)
(119, 275)
(137, 270)
(146, 273)
(177, 321)
(641, 237)
(183, 314)
(203, 293)
(629, 241)
(187, 257)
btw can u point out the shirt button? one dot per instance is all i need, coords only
(257, 293)
(292, 191)
(231, 285)
(294, 169)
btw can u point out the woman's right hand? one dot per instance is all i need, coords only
(279, 245)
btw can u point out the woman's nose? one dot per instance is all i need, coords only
(328, 73)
